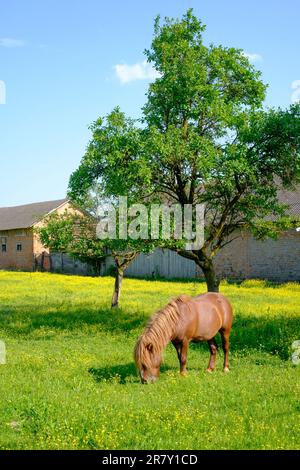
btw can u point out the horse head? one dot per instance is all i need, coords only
(148, 361)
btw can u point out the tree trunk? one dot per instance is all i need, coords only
(205, 263)
(122, 262)
(117, 288)
(212, 281)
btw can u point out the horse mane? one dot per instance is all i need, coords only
(158, 332)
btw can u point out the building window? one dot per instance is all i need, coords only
(3, 244)
(20, 233)
(19, 246)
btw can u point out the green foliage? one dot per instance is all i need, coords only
(77, 235)
(73, 234)
(208, 86)
(114, 163)
(70, 381)
(272, 229)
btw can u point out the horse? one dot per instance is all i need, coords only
(184, 320)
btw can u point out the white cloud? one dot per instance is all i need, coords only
(296, 93)
(253, 57)
(139, 71)
(9, 42)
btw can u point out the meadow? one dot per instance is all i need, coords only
(70, 381)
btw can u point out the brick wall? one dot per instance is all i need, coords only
(42, 256)
(277, 260)
(13, 259)
(247, 258)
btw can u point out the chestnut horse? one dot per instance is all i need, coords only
(183, 320)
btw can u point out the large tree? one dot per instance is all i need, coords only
(205, 138)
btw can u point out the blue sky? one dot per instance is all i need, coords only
(58, 62)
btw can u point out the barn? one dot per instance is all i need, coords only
(20, 247)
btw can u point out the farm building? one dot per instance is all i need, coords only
(20, 247)
(244, 258)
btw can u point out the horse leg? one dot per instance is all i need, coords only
(181, 349)
(213, 347)
(225, 347)
(177, 346)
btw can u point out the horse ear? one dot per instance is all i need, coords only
(150, 347)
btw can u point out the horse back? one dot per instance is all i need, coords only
(201, 317)
(221, 305)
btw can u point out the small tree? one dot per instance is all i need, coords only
(76, 235)
(114, 164)
(73, 234)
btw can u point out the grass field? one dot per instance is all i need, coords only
(70, 382)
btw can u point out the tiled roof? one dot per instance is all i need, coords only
(21, 217)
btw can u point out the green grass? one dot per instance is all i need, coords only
(70, 382)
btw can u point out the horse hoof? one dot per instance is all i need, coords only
(226, 369)
(183, 374)
(210, 371)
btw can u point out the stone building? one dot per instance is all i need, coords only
(20, 247)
